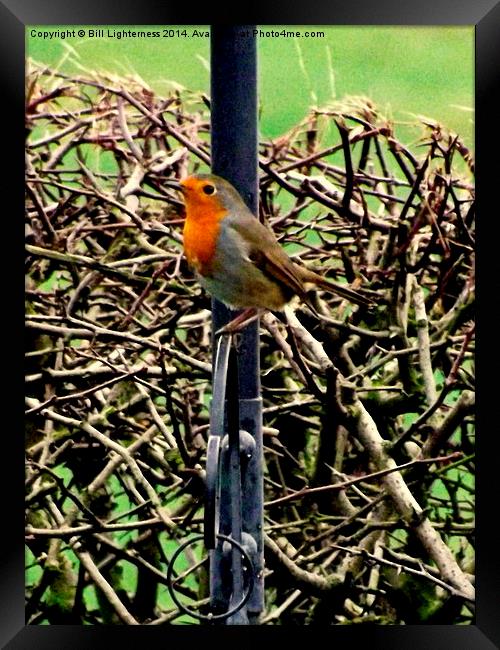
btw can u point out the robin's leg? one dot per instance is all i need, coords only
(246, 317)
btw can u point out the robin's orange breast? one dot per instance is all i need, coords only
(201, 232)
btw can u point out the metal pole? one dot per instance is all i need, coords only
(234, 157)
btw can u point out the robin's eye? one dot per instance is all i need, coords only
(209, 189)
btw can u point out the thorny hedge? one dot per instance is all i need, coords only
(368, 418)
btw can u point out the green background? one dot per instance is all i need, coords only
(406, 71)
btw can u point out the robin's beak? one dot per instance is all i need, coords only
(175, 185)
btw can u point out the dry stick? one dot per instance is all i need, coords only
(140, 299)
(424, 350)
(396, 148)
(270, 322)
(71, 531)
(365, 178)
(462, 406)
(303, 335)
(349, 172)
(86, 281)
(176, 431)
(37, 202)
(133, 557)
(158, 420)
(289, 406)
(52, 94)
(62, 149)
(315, 584)
(405, 559)
(132, 187)
(300, 331)
(66, 491)
(116, 460)
(427, 414)
(50, 393)
(413, 192)
(316, 391)
(450, 380)
(122, 121)
(390, 355)
(89, 262)
(448, 320)
(102, 584)
(167, 617)
(466, 403)
(95, 370)
(465, 231)
(276, 613)
(355, 329)
(54, 137)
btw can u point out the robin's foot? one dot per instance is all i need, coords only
(246, 317)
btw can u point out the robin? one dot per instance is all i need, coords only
(237, 259)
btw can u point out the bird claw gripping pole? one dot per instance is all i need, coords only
(232, 519)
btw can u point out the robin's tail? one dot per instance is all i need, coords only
(339, 289)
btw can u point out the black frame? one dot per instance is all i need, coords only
(485, 15)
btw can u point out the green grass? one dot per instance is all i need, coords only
(406, 71)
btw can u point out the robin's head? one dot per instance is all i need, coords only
(209, 193)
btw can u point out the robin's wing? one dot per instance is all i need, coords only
(267, 255)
